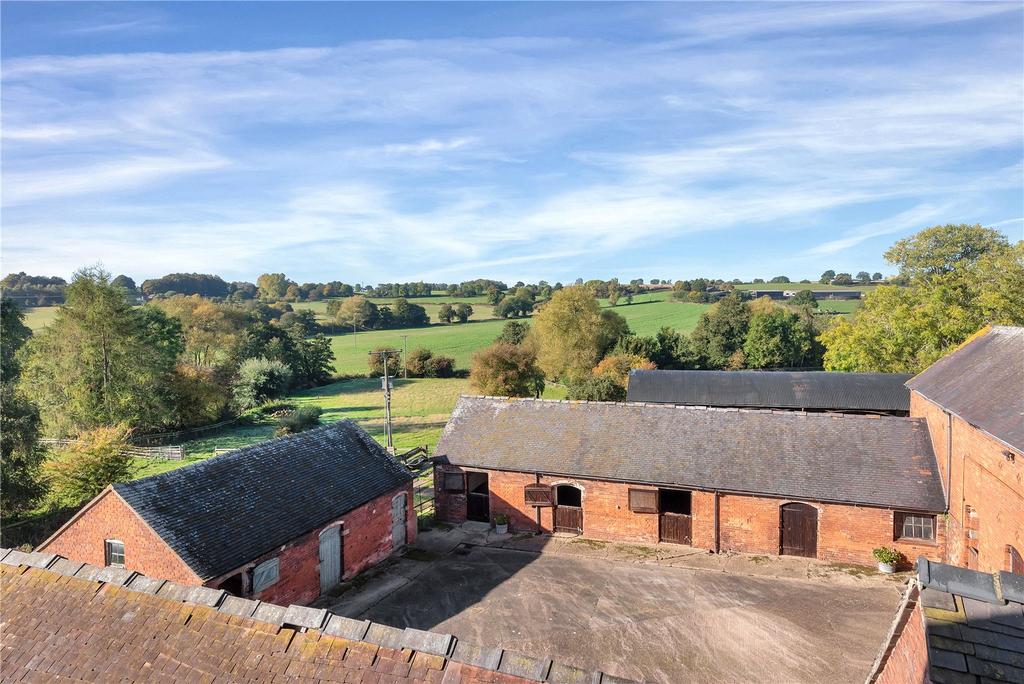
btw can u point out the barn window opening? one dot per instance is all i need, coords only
(567, 495)
(233, 585)
(454, 482)
(675, 501)
(476, 483)
(915, 526)
(1014, 561)
(113, 552)
(265, 574)
(643, 500)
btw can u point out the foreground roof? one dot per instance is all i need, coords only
(225, 511)
(974, 627)
(982, 383)
(874, 460)
(74, 622)
(811, 390)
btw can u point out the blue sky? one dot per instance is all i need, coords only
(382, 142)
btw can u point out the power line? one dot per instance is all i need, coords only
(385, 354)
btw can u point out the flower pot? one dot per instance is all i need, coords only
(886, 568)
(501, 529)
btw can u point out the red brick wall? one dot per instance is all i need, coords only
(982, 480)
(366, 540)
(748, 524)
(109, 517)
(908, 660)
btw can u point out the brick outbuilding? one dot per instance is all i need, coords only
(828, 486)
(282, 521)
(973, 401)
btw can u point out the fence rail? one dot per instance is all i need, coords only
(156, 453)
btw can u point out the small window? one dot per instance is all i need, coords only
(643, 500)
(454, 482)
(915, 526)
(114, 552)
(265, 574)
(538, 495)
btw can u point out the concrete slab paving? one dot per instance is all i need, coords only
(646, 621)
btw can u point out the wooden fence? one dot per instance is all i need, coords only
(156, 453)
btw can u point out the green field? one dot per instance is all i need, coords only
(419, 409)
(39, 317)
(802, 286)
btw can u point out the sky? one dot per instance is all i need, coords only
(390, 141)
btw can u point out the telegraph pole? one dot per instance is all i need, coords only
(385, 354)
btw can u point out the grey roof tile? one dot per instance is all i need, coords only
(812, 390)
(478, 656)
(941, 675)
(39, 559)
(346, 628)
(1012, 586)
(304, 616)
(998, 671)
(235, 605)
(384, 635)
(223, 512)
(67, 567)
(947, 659)
(934, 598)
(269, 612)
(957, 580)
(824, 457)
(992, 400)
(428, 642)
(148, 585)
(15, 557)
(112, 575)
(522, 665)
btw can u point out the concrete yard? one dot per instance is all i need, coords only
(642, 621)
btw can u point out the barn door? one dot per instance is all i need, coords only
(330, 558)
(478, 498)
(799, 534)
(568, 509)
(398, 522)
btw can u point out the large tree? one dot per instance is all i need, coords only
(941, 249)
(950, 296)
(720, 333)
(570, 333)
(778, 339)
(210, 329)
(21, 485)
(101, 362)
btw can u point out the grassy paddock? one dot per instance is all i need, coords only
(38, 317)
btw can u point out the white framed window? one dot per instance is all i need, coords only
(113, 552)
(265, 574)
(914, 526)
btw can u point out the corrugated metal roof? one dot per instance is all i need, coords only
(873, 460)
(811, 390)
(983, 383)
(225, 511)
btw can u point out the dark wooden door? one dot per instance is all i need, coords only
(478, 507)
(1016, 562)
(676, 528)
(799, 535)
(569, 519)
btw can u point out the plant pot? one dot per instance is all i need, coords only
(501, 529)
(886, 568)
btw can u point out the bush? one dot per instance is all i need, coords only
(260, 379)
(376, 363)
(441, 367)
(96, 459)
(595, 388)
(514, 332)
(298, 421)
(417, 362)
(506, 370)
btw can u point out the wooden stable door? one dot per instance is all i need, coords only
(799, 530)
(330, 558)
(675, 528)
(568, 513)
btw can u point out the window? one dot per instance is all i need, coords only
(1014, 561)
(643, 500)
(675, 501)
(454, 482)
(114, 552)
(265, 574)
(915, 526)
(538, 495)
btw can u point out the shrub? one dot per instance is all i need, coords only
(297, 421)
(595, 388)
(441, 367)
(514, 332)
(417, 362)
(260, 379)
(617, 366)
(506, 370)
(376, 363)
(96, 459)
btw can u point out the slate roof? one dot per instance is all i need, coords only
(873, 460)
(809, 390)
(974, 626)
(223, 512)
(63, 622)
(982, 383)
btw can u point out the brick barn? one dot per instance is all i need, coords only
(973, 400)
(280, 521)
(828, 486)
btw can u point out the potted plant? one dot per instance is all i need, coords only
(887, 559)
(501, 523)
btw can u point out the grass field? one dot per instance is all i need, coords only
(419, 407)
(803, 286)
(39, 317)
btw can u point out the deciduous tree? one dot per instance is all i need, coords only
(97, 458)
(507, 370)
